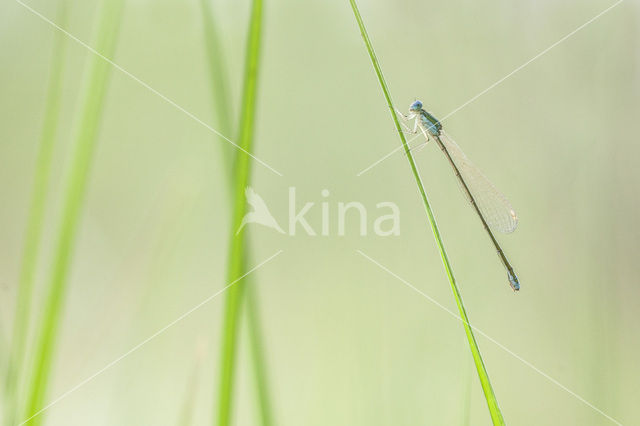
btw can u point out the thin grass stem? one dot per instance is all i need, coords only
(35, 219)
(492, 402)
(237, 247)
(257, 352)
(222, 106)
(86, 135)
(219, 82)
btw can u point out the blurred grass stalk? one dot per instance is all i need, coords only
(256, 343)
(93, 96)
(35, 219)
(223, 106)
(238, 249)
(492, 402)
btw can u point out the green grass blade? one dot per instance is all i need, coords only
(222, 106)
(492, 402)
(256, 347)
(35, 220)
(219, 81)
(84, 144)
(237, 244)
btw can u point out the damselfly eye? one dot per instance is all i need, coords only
(416, 106)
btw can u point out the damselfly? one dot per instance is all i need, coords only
(492, 207)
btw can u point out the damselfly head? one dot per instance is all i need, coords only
(416, 106)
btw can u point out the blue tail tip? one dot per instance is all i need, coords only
(513, 281)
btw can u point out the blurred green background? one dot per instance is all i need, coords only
(347, 343)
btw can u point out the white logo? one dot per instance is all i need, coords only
(332, 219)
(260, 213)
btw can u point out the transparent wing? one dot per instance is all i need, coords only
(494, 206)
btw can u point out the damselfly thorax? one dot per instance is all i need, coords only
(429, 123)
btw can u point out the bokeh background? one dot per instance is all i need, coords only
(346, 342)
